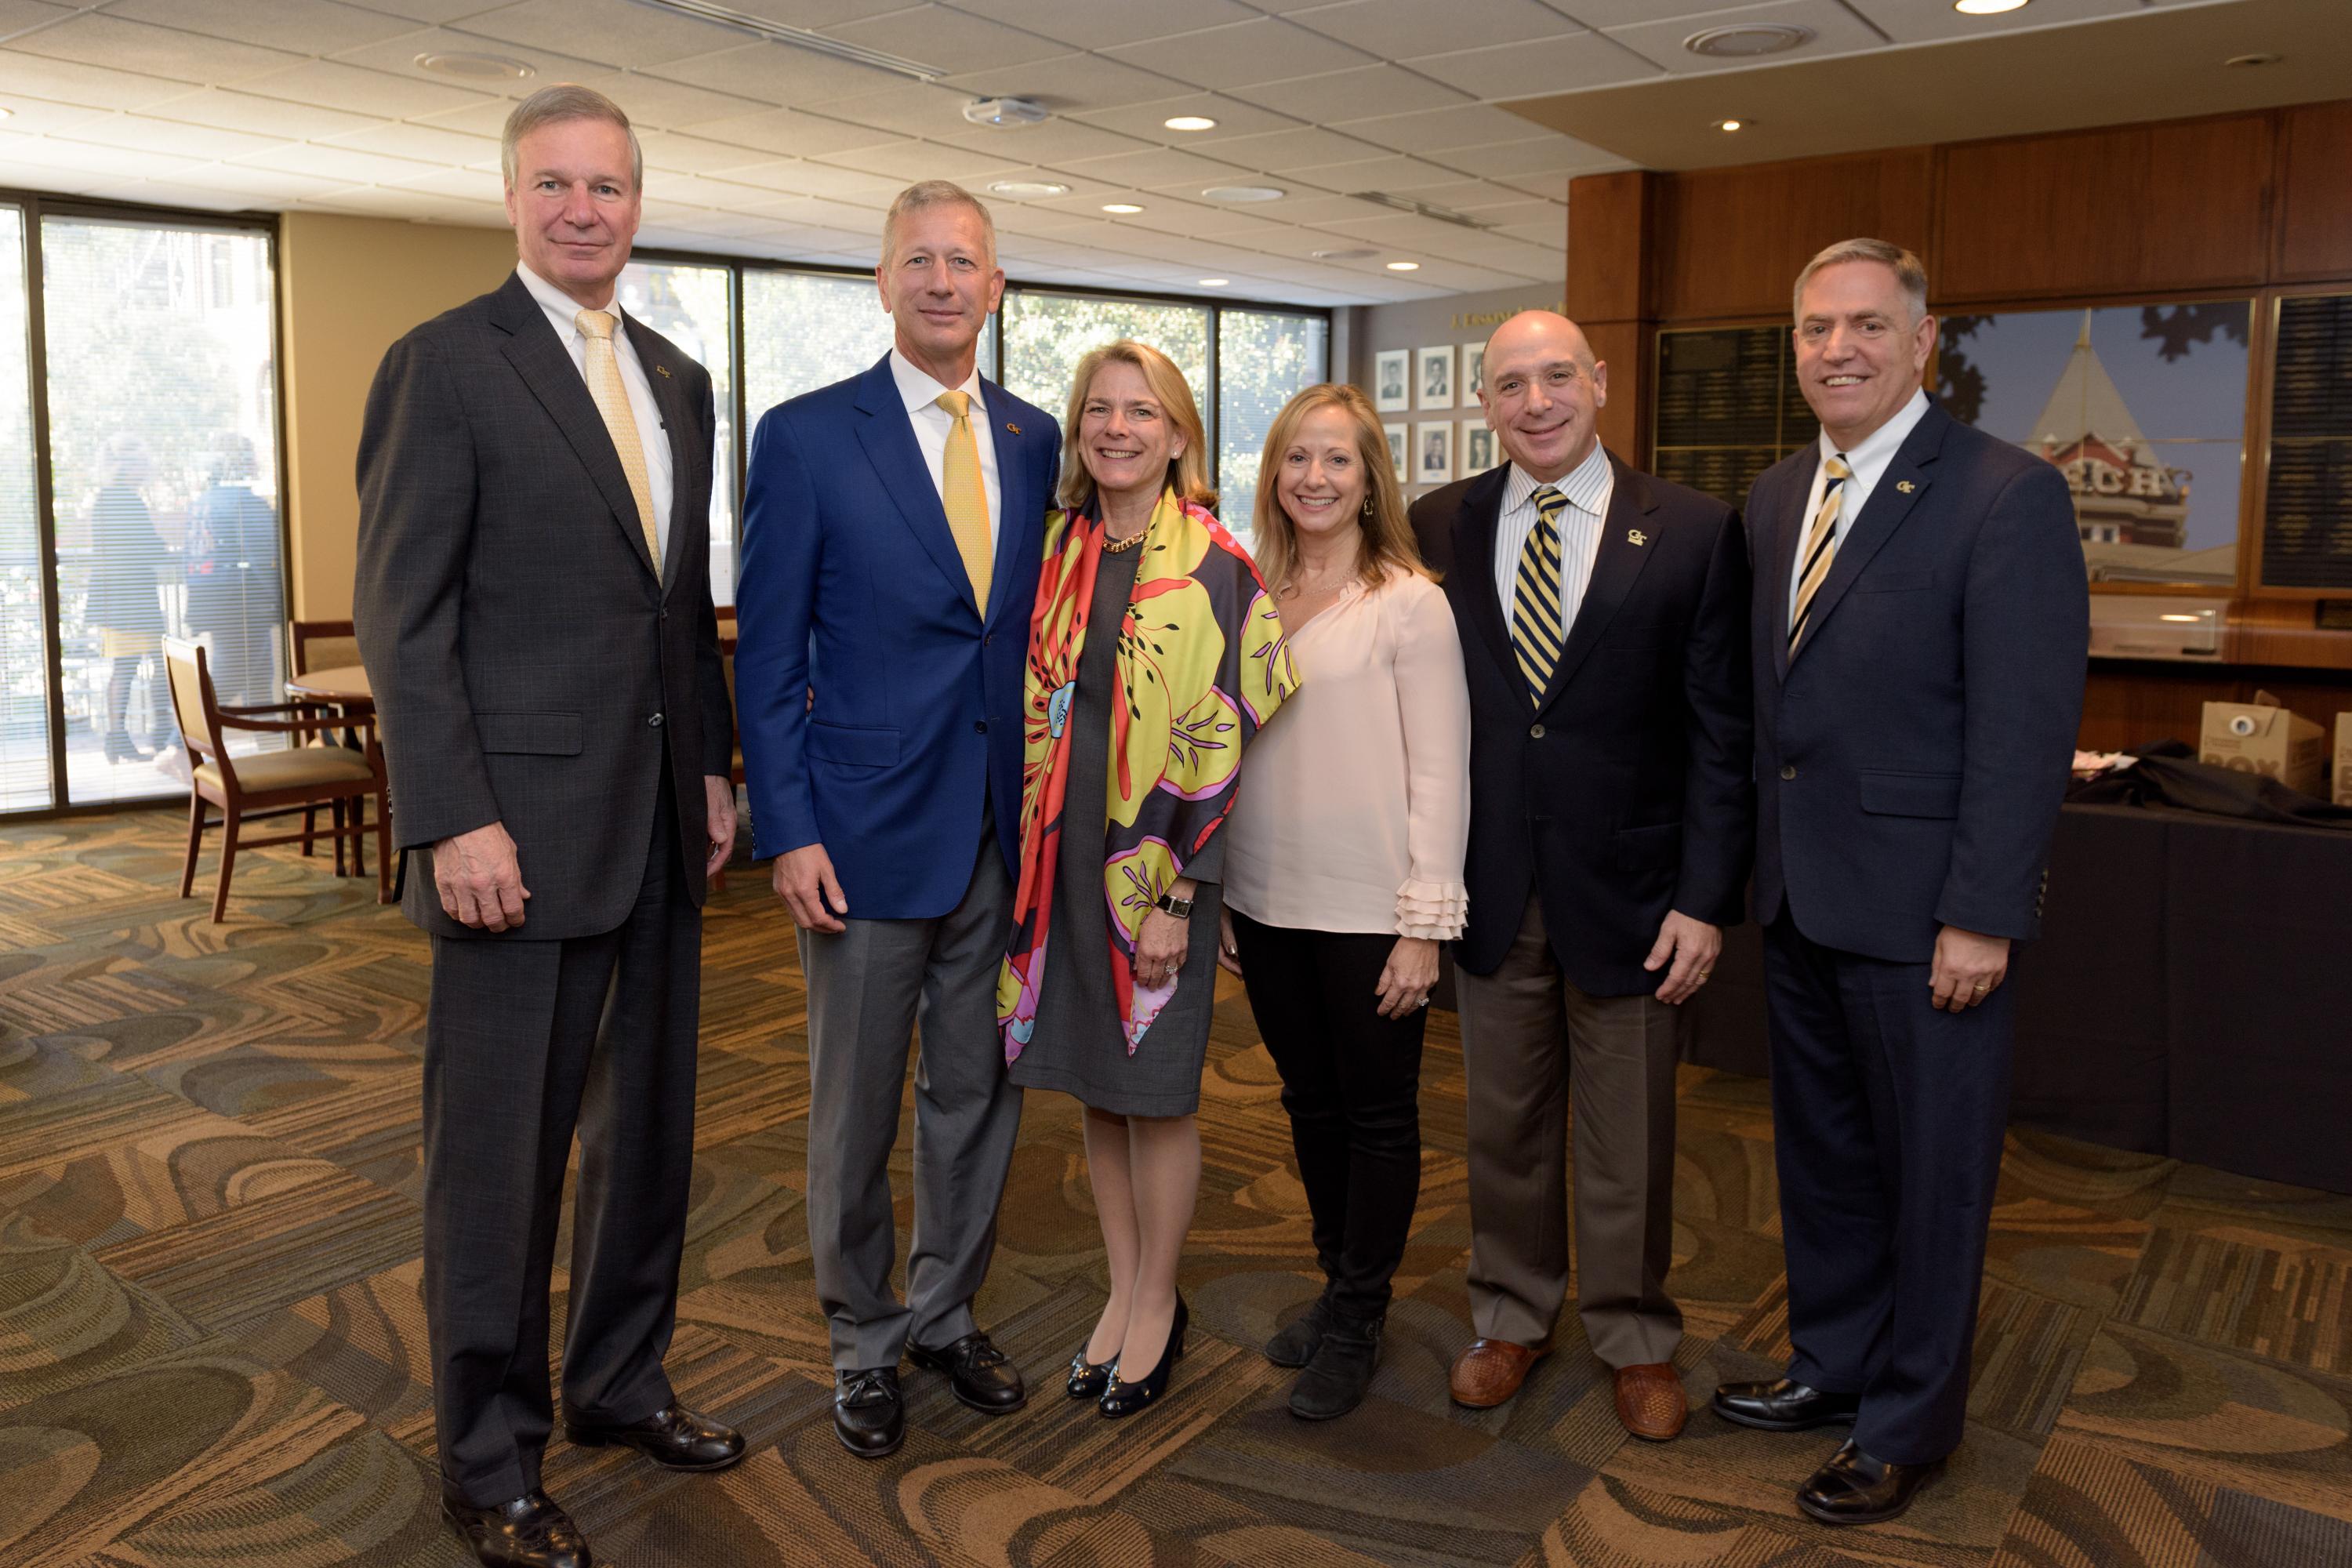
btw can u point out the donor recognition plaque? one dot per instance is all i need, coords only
(1727, 408)
(2307, 504)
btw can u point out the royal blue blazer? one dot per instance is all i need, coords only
(850, 589)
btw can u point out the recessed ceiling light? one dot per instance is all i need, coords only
(1121, 207)
(2245, 60)
(476, 67)
(1027, 190)
(1404, 265)
(1986, 7)
(1214, 282)
(1729, 124)
(2190, 619)
(1743, 39)
(1004, 112)
(1190, 122)
(1244, 193)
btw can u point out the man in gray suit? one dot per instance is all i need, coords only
(534, 605)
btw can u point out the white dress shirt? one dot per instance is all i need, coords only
(1868, 462)
(1588, 487)
(934, 424)
(653, 436)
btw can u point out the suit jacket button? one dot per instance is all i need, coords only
(656, 720)
(1788, 770)
(1535, 732)
(980, 727)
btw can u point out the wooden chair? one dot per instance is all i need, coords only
(324, 645)
(269, 783)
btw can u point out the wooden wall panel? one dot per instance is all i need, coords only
(2315, 193)
(1626, 348)
(2182, 204)
(1610, 239)
(1729, 242)
(2133, 704)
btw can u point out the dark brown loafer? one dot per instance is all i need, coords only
(1854, 1488)
(1490, 1371)
(1650, 1402)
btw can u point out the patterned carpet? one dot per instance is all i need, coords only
(211, 1350)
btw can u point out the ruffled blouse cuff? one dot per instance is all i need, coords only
(1434, 911)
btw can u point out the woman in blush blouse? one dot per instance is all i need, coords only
(1343, 862)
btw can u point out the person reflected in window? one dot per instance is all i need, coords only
(232, 566)
(1155, 654)
(1343, 863)
(126, 552)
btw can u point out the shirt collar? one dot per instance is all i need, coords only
(562, 308)
(1875, 450)
(919, 389)
(1582, 485)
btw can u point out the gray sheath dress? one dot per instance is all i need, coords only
(1079, 1046)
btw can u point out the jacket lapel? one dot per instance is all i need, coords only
(687, 477)
(1891, 500)
(540, 357)
(1016, 507)
(1615, 565)
(1474, 562)
(1788, 525)
(888, 436)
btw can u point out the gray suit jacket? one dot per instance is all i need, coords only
(529, 666)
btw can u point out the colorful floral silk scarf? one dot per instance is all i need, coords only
(1202, 663)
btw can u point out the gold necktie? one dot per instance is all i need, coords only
(1820, 546)
(612, 396)
(965, 492)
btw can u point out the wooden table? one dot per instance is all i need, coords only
(345, 685)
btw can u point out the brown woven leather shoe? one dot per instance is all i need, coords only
(1491, 1371)
(1650, 1401)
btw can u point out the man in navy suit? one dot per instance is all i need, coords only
(892, 529)
(1921, 631)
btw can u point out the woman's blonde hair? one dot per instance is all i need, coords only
(1188, 471)
(1387, 534)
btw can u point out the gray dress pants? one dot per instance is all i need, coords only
(869, 988)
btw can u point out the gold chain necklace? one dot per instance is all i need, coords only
(1121, 546)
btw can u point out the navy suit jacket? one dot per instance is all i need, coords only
(851, 584)
(1911, 759)
(1623, 792)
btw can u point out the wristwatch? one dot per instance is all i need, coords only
(1169, 904)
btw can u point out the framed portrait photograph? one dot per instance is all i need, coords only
(1478, 449)
(1400, 451)
(1433, 452)
(1391, 380)
(1474, 373)
(1433, 385)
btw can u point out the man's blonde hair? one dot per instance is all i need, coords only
(1909, 273)
(934, 193)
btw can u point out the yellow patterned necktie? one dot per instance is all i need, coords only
(965, 492)
(612, 394)
(1537, 630)
(1820, 546)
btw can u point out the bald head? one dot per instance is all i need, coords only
(1543, 392)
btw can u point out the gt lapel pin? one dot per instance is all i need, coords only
(1635, 536)
(1906, 486)
(662, 371)
(1015, 429)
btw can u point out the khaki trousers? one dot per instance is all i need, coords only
(1534, 1046)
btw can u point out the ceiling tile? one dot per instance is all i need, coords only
(263, 184)
(1373, 174)
(239, 111)
(820, 180)
(92, 40)
(776, 73)
(1068, 83)
(336, 164)
(924, 161)
(89, 158)
(1458, 194)
(1354, 94)
(64, 81)
(1536, 155)
(427, 143)
(398, 56)
(1548, 66)
(675, 154)
(1105, 24)
(1835, 31)
(611, 32)
(347, 87)
(1401, 30)
(1242, 53)
(1234, 117)
(671, 105)
(1057, 142)
(1919, 21)
(1436, 129)
(962, 42)
(145, 132)
(482, 185)
(433, 11)
(304, 26)
(1157, 167)
(790, 133)
(1277, 150)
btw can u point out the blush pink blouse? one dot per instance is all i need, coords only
(1353, 813)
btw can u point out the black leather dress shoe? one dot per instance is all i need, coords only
(528, 1531)
(672, 1436)
(983, 1376)
(869, 1414)
(1782, 1406)
(1854, 1488)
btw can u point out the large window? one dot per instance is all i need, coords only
(806, 330)
(689, 305)
(1263, 359)
(1047, 334)
(163, 465)
(23, 661)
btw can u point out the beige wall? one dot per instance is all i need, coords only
(352, 286)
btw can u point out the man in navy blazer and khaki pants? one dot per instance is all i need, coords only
(892, 530)
(1921, 632)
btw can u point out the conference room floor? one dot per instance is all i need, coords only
(211, 1347)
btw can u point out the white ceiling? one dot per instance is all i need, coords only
(759, 149)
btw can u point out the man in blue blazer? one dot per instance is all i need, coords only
(1921, 631)
(892, 529)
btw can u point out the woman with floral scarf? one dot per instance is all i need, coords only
(1154, 655)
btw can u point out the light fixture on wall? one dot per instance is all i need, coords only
(1190, 122)
(1744, 40)
(1404, 265)
(474, 67)
(1729, 124)
(1122, 209)
(1027, 190)
(1987, 7)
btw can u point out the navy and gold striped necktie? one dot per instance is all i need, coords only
(1820, 546)
(1538, 627)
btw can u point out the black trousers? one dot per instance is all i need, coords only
(1888, 1117)
(1351, 1083)
(526, 1041)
